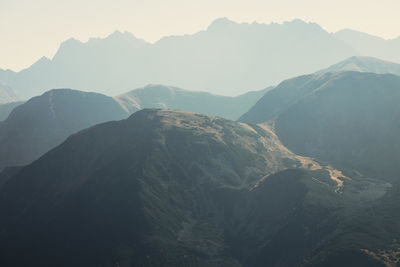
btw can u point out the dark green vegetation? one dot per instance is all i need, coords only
(167, 97)
(43, 122)
(168, 188)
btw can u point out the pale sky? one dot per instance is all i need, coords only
(30, 29)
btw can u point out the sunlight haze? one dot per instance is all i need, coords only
(32, 29)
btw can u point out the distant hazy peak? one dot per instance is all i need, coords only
(302, 23)
(345, 33)
(71, 41)
(41, 61)
(226, 59)
(364, 64)
(368, 59)
(221, 23)
(119, 36)
(116, 38)
(155, 88)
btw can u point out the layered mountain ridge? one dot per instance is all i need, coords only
(159, 96)
(227, 58)
(369, 45)
(175, 188)
(45, 121)
(349, 118)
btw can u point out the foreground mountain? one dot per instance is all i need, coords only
(167, 97)
(43, 122)
(349, 118)
(168, 188)
(5, 109)
(227, 58)
(364, 64)
(7, 95)
(369, 45)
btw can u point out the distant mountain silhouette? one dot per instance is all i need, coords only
(369, 45)
(349, 118)
(364, 64)
(227, 58)
(168, 188)
(45, 121)
(168, 97)
(7, 95)
(5, 109)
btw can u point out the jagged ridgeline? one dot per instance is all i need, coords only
(227, 58)
(169, 188)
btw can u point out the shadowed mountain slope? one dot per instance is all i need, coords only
(45, 121)
(5, 109)
(350, 118)
(168, 188)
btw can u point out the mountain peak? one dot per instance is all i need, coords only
(221, 23)
(121, 35)
(364, 64)
(42, 61)
(71, 41)
(301, 24)
(298, 21)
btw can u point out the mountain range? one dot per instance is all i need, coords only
(227, 58)
(43, 132)
(45, 121)
(308, 176)
(369, 45)
(169, 188)
(349, 118)
(159, 96)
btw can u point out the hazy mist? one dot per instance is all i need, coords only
(44, 24)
